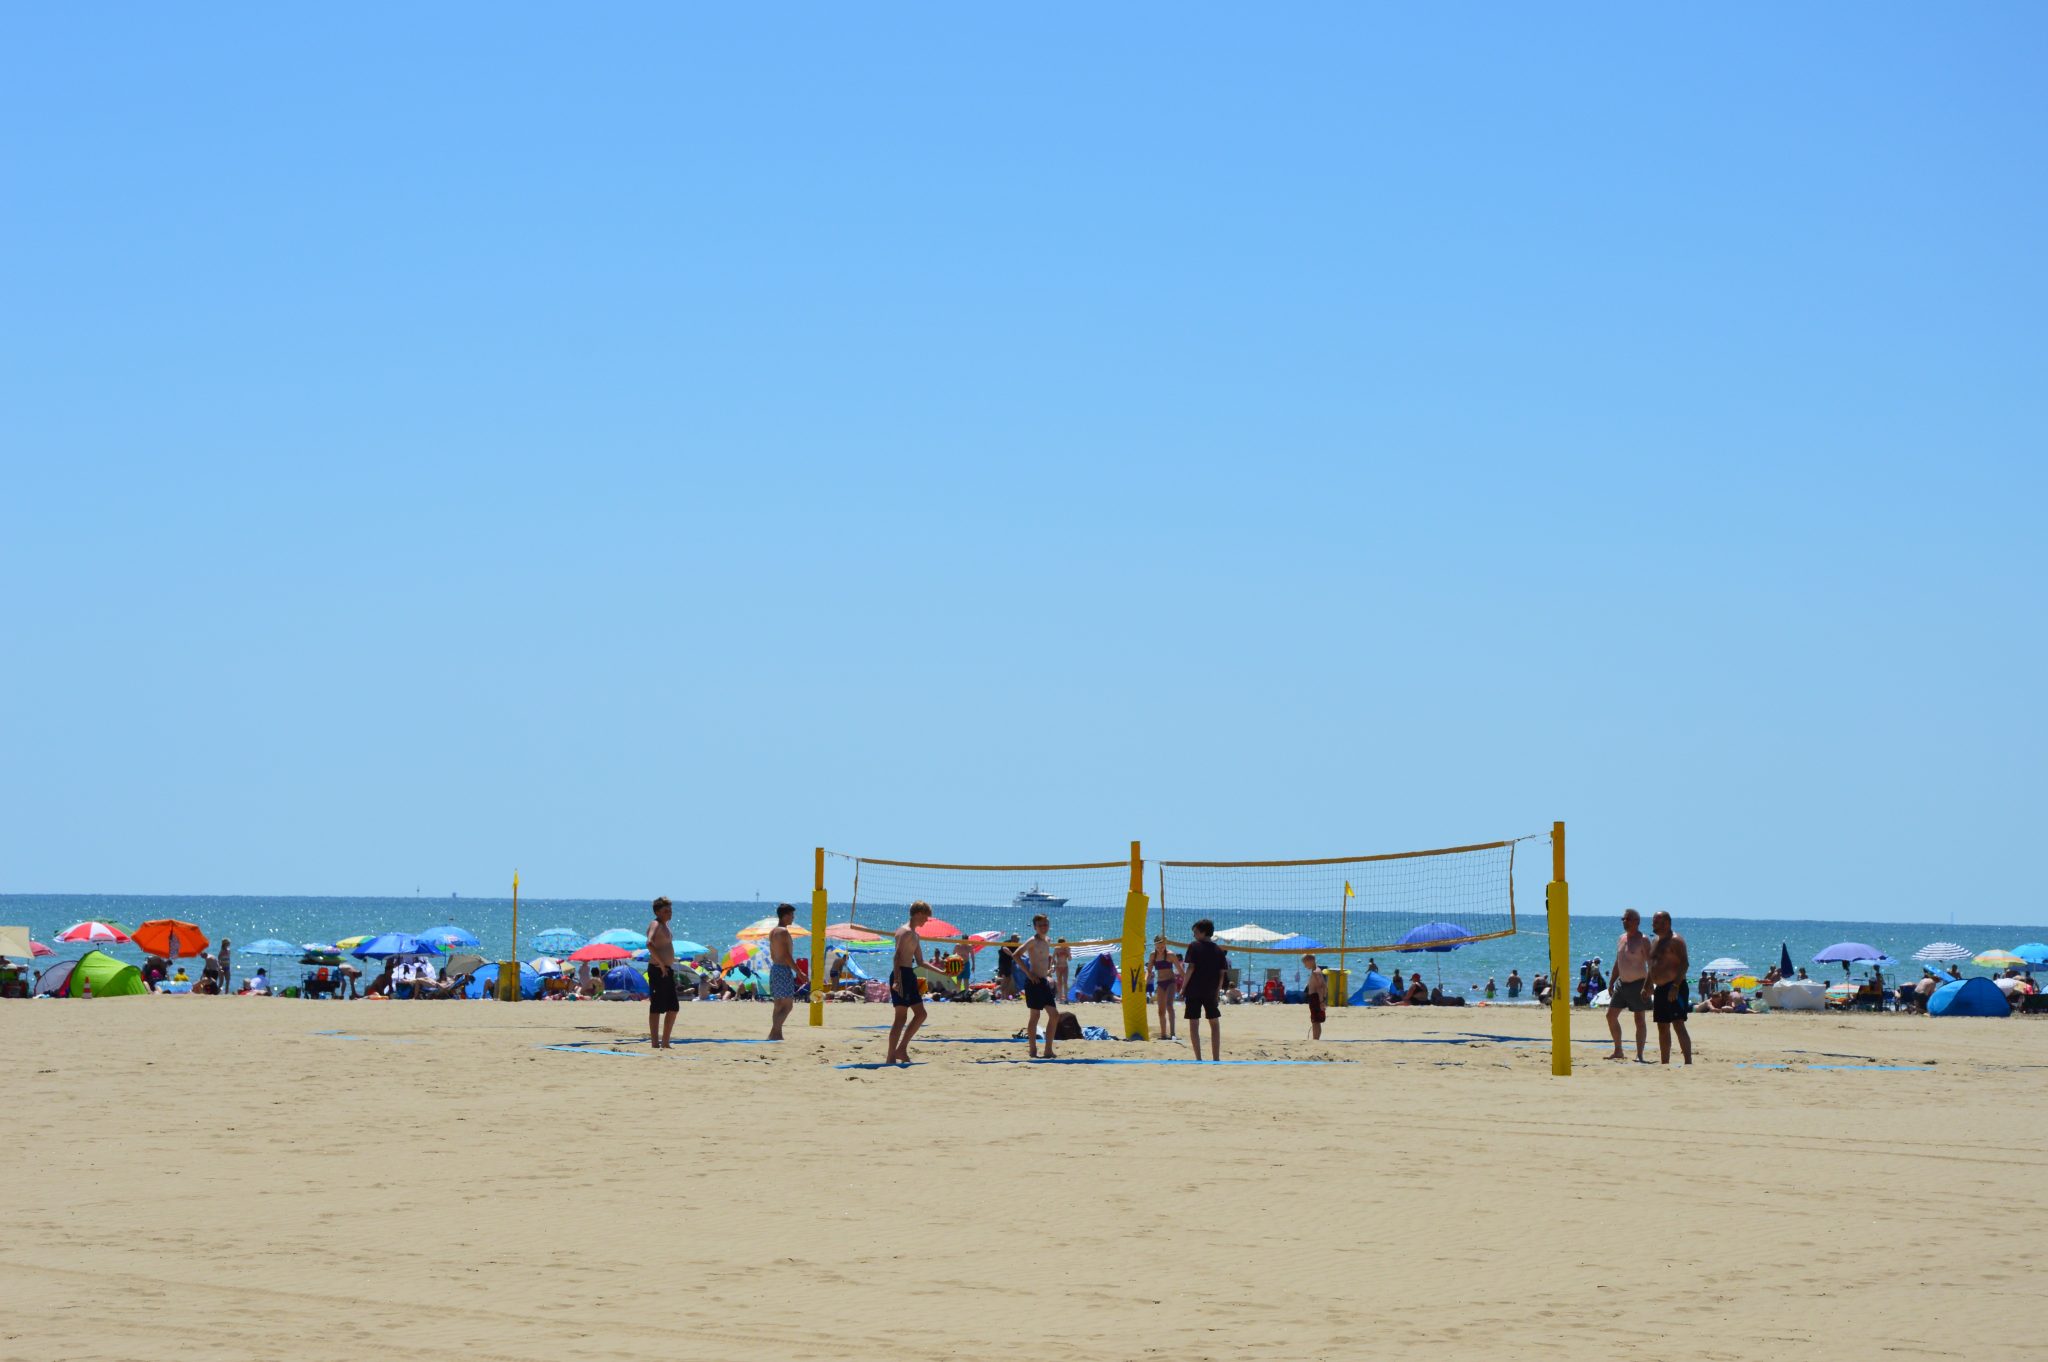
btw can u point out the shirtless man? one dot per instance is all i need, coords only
(1034, 963)
(1669, 964)
(903, 990)
(662, 1004)
(1631, 988)
(781, 967)
(1316, 994)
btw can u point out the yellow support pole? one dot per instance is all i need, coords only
(508, 970)
(1136, 1020)
(818, 938)
(1557, 899)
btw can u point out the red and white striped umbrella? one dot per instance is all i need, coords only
(99, 933)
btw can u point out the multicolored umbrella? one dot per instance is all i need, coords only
(1997, 960)
(448, 936)
(755, 931)
(156, 937)
(95, 932)
(738, 955)
(349, 943)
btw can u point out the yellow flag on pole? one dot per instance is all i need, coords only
(1347, 890)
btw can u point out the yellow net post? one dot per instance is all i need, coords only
(1557, 899)
(818, 938)
(1136, 1024)
(508, 970)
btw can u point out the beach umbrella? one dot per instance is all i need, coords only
(349, 943)
(938, 929)
(1296, 942)
(394, 943)
(1433, 936)
(738, 955)
(600, 950)
(559, 940)
(686, 949)
(270, 945)
(621, 936)
(15, 944)
(448, 936)
(1937, 952)
(95, 932)
(1744, 981)
(1997, 960)
(846, 931)
(1248, 934)
(320, 947)
(1726, 965)
(2034, 953)
(1841, 990)
(1845, 952)
(544, 964)
(157, 935)
(757, 931)
(1784, 961)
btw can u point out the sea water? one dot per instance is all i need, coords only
(248, 919)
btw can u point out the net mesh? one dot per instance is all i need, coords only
(1084, 901)
(1448, 896)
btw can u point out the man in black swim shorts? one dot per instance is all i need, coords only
(1206, 962)
(903, 989)
(1669, 964)
(662, 1005)
(1034, 961)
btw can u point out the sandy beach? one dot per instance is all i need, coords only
(431, 1176)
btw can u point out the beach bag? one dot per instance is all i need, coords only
(1070, 1027)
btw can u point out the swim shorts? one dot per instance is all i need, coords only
(1037, 992)
(903, 987)
(781, 981)
(661, 990)
(1674, 1001)
(1315, 1009)
(1200, 1006)
(1630, 995)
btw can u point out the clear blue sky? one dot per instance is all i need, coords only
(637, 444)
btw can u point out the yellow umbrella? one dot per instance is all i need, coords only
(755, 931)
(1746, 981)
(1998, 960)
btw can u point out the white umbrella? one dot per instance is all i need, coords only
(1937, 951)
(1727, 964)
(1250, 934)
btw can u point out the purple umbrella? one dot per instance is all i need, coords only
(1845, 952)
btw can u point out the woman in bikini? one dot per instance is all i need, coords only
(1165, 978)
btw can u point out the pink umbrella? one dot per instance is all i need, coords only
(938, 929)
(96, 932)
(40, 949)
(601, 950)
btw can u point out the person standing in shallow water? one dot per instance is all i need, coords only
(662, 1003)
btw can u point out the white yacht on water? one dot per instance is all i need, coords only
(1034, 897)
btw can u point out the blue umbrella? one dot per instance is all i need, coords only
(270, 945)
(394, 943)
(448, 936)
(2034, 953)
(1297, 942)
(1845, 952)
(558, 941)
(622, 936)
(1419, 938)
(685, 949)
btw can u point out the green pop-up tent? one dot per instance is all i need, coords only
(108, 976)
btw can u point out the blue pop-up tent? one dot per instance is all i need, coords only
(627, 979)
(1374, 982)
(1095, 976)
(484, 983)
(1968, 998)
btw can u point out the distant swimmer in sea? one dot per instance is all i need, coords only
(903, 989)
(1034, 962)
(781, 967)
(662, 1003)
(1668, 965)
(1631, 983)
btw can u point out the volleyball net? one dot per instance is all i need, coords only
(1096, 908)
(1343, 905)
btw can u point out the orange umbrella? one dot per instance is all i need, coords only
(846, 931)
(155, 938)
